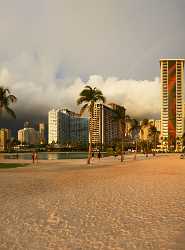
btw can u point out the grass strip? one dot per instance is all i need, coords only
(12, 165)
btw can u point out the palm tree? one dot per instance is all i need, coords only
(145, 122)
(145, 125)
(6, 99)
(179, 143)
(165, 142)
(88, 97)
(153, 134)
(135, 128)
(183, 140)
(119, 115)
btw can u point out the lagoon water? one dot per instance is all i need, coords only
(47, 155)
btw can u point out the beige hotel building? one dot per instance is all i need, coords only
(105, 131)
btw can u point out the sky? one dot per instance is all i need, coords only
(49, 50)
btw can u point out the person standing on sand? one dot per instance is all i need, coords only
(115, 155)
(36, 157)
(33, 157)
(99, 155)
(92, 156)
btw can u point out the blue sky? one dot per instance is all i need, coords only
(48, 48)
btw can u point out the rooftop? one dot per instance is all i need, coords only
(175, 59)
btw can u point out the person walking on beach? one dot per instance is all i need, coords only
(33, 157)
(99, 155)
(36, 157)
(115, 155)
(92, 156)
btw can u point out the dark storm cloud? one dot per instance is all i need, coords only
(47, 49)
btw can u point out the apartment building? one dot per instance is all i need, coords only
(105, 130)
(67, 128)
(172, 100)
(5, 135)
(28, 136)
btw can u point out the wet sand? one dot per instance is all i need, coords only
(109, 205)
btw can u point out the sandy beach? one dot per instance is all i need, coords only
(109, 205)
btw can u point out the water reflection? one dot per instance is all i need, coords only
(46, 155)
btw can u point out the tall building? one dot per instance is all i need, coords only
(54, 118)
(67, 128)
(4, 137)
(172, 100)
(42, 133)
(28, 136)
(105, 131)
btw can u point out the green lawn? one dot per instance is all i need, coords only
(12, 165)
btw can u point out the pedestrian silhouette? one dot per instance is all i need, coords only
(99, 155)
(33, 157)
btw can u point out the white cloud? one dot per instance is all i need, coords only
(35, 96)
(140, 98)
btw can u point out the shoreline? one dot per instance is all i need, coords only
(104, 161)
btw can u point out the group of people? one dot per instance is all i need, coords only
(98, 155)
(34, 157)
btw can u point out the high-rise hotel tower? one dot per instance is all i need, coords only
(172, 99)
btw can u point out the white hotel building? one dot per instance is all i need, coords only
(67, 128)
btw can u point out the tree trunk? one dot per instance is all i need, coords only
(122, 149)
(135, 156)
(90, 150)
(155, 144)
(147, 148)
(90, 135)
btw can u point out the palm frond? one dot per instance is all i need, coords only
(92, 94)
(6, 90)
(81, 99)
(5, 100)
(83, 108)
(145, 122)
(102, 98)
(88, 87)
(10, 111)
(12, 98)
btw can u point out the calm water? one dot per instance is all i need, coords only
(47, 155)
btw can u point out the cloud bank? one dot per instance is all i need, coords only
(48, 48)
(39, 91)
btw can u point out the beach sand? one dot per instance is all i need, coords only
(108, 205)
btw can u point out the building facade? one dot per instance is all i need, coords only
(172, 100)
(105, 131)
(42, 133)
(67, 128)
(28, 136)
(5, 136)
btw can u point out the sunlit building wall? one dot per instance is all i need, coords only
(4, 137)
(105, 130)
(42, 133)
(67, 128)
(28, 136)
(172, 100)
